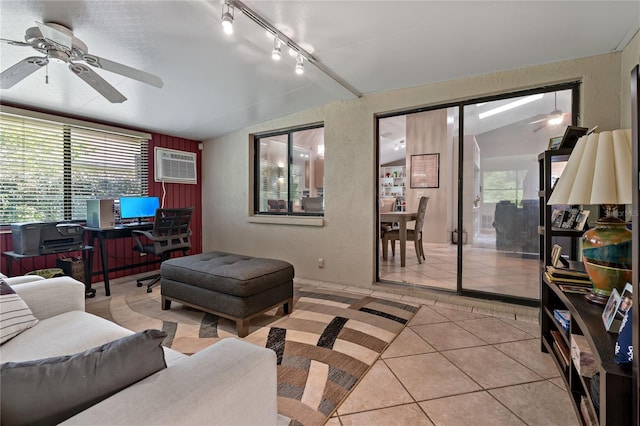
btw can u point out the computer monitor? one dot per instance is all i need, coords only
(138, 207)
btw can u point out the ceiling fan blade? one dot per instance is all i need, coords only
(21, 70)
(97, 82)
(539, 121)
(537, 129)
(124, 70)
(14, 42)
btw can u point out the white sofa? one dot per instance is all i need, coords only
(229, 383)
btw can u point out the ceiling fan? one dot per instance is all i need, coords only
(57, 43)
(554, 118)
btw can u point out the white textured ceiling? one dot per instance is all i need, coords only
(214, 84)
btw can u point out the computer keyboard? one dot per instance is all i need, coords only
(135, 224)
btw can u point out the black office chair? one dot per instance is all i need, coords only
(170, 233)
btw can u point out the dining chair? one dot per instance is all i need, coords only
(414, 235)
(277, 205)
(387, 205)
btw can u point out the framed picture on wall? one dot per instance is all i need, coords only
(425, 171)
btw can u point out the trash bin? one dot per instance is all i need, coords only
(454, 237)
(72, 266)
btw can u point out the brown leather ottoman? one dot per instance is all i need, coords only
(228, 285)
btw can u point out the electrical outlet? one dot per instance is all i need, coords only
(320, 262)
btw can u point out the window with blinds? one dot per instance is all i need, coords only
(289, 172)
(48, 169)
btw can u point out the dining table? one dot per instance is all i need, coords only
(401, 218)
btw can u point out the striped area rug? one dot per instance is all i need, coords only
(324, 347)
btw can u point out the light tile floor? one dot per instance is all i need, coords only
(460, 364)
(460, 361)
(484, 269)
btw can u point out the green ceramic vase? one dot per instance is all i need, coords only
(606, 253)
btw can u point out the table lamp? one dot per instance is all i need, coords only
(599, 172)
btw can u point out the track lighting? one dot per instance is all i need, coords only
(276, 53)
(227, 18)
(300, 64)
(280, 40)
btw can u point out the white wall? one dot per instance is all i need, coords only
(347, 241)
(427, 133)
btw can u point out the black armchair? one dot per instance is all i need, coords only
(170, 233)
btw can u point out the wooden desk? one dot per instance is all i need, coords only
(103, 234)
(402, 218)
(87, 257)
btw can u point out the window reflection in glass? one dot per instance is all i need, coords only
(290, 178)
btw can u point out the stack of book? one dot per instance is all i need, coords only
(560, 347)
(569, 280)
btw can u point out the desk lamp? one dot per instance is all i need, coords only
(599, 172)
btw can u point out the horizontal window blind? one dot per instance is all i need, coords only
(49, 169)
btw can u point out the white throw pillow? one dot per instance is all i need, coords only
(15, 315)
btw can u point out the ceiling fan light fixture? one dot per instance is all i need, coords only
(276, 53)
(227, 18)
(300, 64)
(554, 121)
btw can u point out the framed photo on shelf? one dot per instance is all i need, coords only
(581, 220)
(570, 218)
(571, 136)
(554, 143)
(556, 252)
(557, 218)
(626, 300)
(610, 312)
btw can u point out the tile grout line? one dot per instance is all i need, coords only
(482, 388)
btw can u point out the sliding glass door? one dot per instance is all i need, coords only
(481, 224)
(502, 141)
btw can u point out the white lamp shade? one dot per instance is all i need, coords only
(598, 171)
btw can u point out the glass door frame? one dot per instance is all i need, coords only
(574, 86)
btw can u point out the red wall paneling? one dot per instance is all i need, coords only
(121, 251)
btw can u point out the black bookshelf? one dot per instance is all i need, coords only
(635, 221)
(615, 392)
(615, 400)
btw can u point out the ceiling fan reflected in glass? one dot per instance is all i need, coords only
(59, 45)
(554, 118)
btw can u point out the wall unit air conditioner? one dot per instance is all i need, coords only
(175, 166)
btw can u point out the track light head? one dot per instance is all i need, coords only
(300, 64)
(227, 18)
(276, 53)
